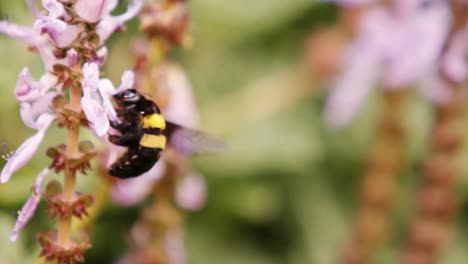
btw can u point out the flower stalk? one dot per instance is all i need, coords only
(70, 175)
(376, 194)
(437, 205)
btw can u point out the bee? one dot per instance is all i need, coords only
(145, 133)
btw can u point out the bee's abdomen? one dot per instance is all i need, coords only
(153, 125)
(135, 162)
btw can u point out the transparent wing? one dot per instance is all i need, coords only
(190, 141)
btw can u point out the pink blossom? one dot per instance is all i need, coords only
(96, 115)
(28, 35)
(181, 107)
(90, 102)
(106, 89)
(191, 192)
(61, 33)
(90, 79)
(126, 81)
(455, 62)
(29, 208)
(27, 150)
(101, 56)
(30, 112)
(28, 90)
(90, 10)
(97, 93)
(110, 23)
(398, 45)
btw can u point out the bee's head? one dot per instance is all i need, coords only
(127, 97)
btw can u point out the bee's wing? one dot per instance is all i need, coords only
(190, 141)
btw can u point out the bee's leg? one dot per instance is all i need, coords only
(126, 139)
(122, 127)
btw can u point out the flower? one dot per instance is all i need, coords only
(91, 10)
(109, 23)
(191, 192)
(28, 209)
(28, 90)
(454, 62)
(397, 45)
(97, 93)
(61, 33)
(29, 147)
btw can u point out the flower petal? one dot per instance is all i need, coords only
(181, 107)
(26, 89)
(90, 10)
(106, 90)
(54, 8)
(191, 192)
(26, 151)
(127, 80)
(110, 23)
(96, 115)
(31, 112)
(128, 192)
(90, 79)
(352, 87)
(28, 209)
(64, 38)
(25, 34)
(101, 56)
(454, 61)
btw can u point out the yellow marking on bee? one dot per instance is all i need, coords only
(154, 121)
(153, 141)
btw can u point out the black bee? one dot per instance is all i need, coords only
(145, 133)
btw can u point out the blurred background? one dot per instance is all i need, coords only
(285, 191)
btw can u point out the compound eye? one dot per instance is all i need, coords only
(128, 95)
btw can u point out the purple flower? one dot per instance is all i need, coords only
(28, 209)
(61, 33)
(181, 107)
(90, 79)
(398, 45)
(29, 147)
(97, 94)
(109, 23)
(90, 102)
(28, 35)
(91, 10)
(191, 192)
(28, 90)
(454, 62)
